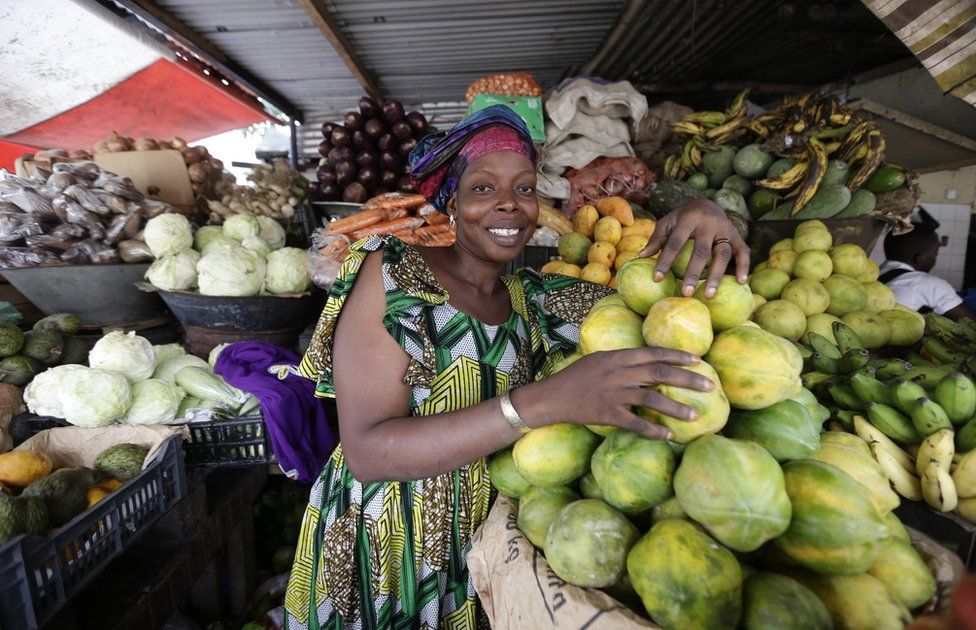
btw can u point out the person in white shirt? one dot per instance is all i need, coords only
(910, 257)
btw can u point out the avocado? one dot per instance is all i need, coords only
(698, 180)
(63, 492)
(779, 167)
(67, 323)
(19, 370)
(22, 515)
(123, 461)
(11, 339)
(739, 184)
(718, 165)
(837, 172)
(780, 213)
(46, 346)
(762, 201)
(733, 201)
(751, 161)
(884, 179)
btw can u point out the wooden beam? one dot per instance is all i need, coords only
(723, 86)
(185, 36)
(907, 120)
(326, 23)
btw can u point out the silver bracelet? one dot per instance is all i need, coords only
(514, 419)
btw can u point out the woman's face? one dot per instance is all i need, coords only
(495, 206)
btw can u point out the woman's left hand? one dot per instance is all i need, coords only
(714, 235)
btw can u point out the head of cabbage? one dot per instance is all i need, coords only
(271, 232)
(168, 369)
(126, 353)
(168, 234)
(230, 272)
(287, 271)
(167, 351)
(154, 401)
(93, 398)
(206, 234)
(241, 226)
(219, 242)
(174, 272)
(41, 395)
(256, 246)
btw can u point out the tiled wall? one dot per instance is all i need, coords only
(954, 220)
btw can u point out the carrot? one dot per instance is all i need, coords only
(435, 233)
(357, 221)
(410, 238)
(440, 239)
(388, 227)
(397, 213)
(436, 218)
(395, 200)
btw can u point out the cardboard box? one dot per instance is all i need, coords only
(528, 107)
(164, 170)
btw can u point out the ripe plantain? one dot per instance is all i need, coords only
(817, 157)
(872, 160)
(787, 180)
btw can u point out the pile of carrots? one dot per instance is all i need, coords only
(407, 216)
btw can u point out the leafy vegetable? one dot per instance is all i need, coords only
(165, 352)
(287, 271)
(175, 272)
(230, 273)
(126, 353)
(167, 371)
(218, 243)
(241, 226)
(154, 401)
(257, 246)
(212, 358)
(271, 232)
(93, 398)
(168, 234)
(202, 384)
(41, 395)
(206, 234)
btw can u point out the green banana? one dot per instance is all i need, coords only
(867, 370)
(917, 360)
(887, 369)
(954, 333)
(966, 437)
(804, 351)
(821, 344)
(812, 379)
(928, 376)
(893, 423)
(957, 395)
(853, 360)
(928, 417)
(846, 417)
(846, 337)
(845, 397)
(905, 393)
(943, 352)
(820, 363)
(870, 389)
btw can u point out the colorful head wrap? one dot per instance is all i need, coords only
(440, 158)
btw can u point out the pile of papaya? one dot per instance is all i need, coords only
(811, 158)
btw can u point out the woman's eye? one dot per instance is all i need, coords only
(526, 189)
(481, 188)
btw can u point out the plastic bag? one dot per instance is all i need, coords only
(19, 257)
(16, 226)
(325, 256)
(133, 251)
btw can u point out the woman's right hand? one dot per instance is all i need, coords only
(603, 388)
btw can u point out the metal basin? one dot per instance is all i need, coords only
(254, 313)
(101, 295)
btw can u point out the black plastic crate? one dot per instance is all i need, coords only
(38, 575)
(234, 442)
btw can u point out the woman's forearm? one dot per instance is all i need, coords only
(418, 447)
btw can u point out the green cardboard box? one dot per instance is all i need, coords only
(528, 107)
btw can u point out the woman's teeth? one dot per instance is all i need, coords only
(504, 231)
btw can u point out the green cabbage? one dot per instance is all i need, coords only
(167, 371)
(94, 398)
(154, 401)
(174, 272)
(214, 353)
(165, 352)
(230, 273)
(256, 246)
(126, 353)
(41, 395)
(206, 234)
(219, 242)
(240, 226)
(168, 234)
(272, 233)
(287, 271)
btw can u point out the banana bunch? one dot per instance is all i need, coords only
(918, 420)
(948, 342)
(707, 130)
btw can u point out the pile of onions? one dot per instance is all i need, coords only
(366, 154)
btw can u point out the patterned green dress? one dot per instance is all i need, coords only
(392, 555)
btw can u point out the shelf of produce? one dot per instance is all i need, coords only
(208, 535)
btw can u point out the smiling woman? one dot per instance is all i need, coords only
(436, 360)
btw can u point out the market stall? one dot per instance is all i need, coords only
(149, 355)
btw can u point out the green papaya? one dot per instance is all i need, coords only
(828, 201)
(779, 167)
(761, 201)
(862, 202)
(751, 161)
(837, 171)
(718, 165)
(732, 201)
(884, 179)
(698, 180)
(785, 429)
(739, 184)
(771, 601)
(780, 213)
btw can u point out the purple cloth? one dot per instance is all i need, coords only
(294, 418)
